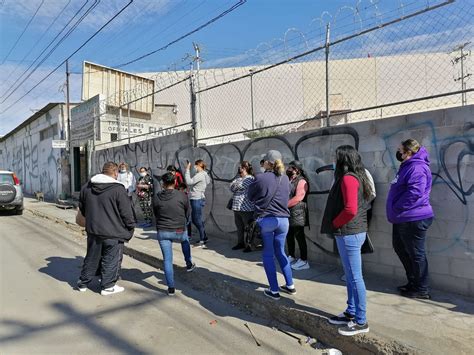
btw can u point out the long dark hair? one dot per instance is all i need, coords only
(348, 160)
(247, 166)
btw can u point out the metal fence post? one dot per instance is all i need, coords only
(193, 111)
(327, 76)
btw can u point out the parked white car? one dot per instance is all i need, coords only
(11, 193)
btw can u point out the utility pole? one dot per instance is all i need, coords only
(197, 59)
(460, 59)
(327, 76)
(67, 107)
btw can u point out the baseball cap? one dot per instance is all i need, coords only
(272, 156)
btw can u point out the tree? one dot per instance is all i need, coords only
(263, 132)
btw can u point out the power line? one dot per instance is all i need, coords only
(38, 41)
(69, 57)
(229, 10)
(23, 32)
(52, 50)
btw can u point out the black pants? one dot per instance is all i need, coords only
(408, 240)
(242, 219)
(104, 255)
(298, 234)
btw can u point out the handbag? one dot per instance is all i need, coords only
(367, 247)
(253, 234)
(80, 219)
(230, 203)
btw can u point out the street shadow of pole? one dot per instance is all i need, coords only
(74, 318)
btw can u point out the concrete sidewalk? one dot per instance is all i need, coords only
(398, 325)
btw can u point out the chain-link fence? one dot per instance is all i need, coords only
(417, 58)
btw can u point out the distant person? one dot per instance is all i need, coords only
(345, 217)
(298, 207)
(178, 175)
(197, 185)
(242, 207)
(409, 209)
(144, 193)
(127, 178)
(110, 222)
(269, 193)
(171, 209)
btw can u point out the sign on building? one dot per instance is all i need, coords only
(84, 120)
(59, 144)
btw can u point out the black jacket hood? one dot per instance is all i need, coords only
(101, 183)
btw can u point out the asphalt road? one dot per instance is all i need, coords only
(40, 313)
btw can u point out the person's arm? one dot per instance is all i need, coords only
(133, 183)
(194, 180)
(237, 185)
(82, 206)
(187, 177)
(350, 190)
(186, 206)
(301, 190)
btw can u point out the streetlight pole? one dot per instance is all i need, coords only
(327, 76)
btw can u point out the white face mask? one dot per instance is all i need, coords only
(262, 169)
(123, 171)
(142, 174)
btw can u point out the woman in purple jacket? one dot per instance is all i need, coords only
(409, 209)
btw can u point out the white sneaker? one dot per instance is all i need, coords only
(291, 259)
(300, 265)
(112, 290)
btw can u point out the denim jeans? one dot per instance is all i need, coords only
(274, 230)
(349, 250)
(166, 239)
(408, 240)
(196, 217)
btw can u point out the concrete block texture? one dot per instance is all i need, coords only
(447, 134)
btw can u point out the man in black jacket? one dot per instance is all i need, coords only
(109, 222)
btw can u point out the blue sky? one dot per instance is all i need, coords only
(146, 25)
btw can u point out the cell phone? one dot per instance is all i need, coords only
(187, 161)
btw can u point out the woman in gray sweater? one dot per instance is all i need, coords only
(197, 185)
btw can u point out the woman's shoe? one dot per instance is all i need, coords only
(238, 246)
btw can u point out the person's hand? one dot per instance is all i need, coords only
(188, 166)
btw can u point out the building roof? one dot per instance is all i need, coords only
(32, 118)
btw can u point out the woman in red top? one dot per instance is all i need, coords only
(178, 175)
(345, 217)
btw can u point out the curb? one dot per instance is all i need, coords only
(244, 295)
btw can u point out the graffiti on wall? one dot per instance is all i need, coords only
(315, 149)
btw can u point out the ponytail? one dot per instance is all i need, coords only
(278, 167)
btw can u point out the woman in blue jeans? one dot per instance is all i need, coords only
(270, 193)
(171, 208)
(345, 217)
(197, 186)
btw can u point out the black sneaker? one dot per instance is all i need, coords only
(405, 288)
(273, 295)
(191, 267)
(341, 319)
(171, 291)
(291, 291)
(247, 249)
(353, 328)
(416, 294)
(238, 246)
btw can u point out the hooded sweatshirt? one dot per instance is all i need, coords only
(105, 204)
(197, 184)
(409, 196)
(171, 208)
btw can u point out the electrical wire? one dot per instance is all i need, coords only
(88, 11)
(23, 32)
(72, 54)
(232, 8)
(38, 41)
(45, 49)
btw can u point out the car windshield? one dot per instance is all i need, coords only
(6, 178)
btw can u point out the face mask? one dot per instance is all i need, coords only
(290, 173)
(262, 169)
(142, 174)
(123, 171)
(399, 156)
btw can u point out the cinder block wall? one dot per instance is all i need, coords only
(447, 134)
